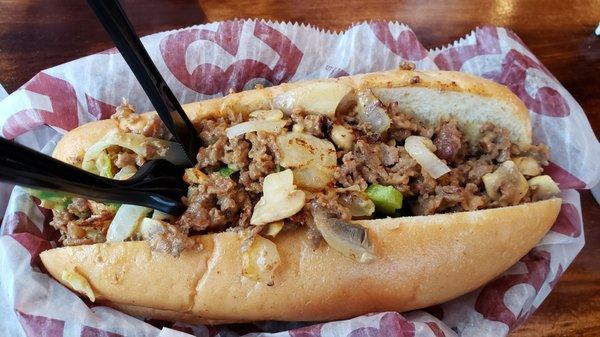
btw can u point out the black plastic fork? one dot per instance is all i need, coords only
(158, 184)
(117, 25)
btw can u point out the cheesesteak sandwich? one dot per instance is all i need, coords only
(314, 200)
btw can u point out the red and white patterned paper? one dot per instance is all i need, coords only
(206, 61)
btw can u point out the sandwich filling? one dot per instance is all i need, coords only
(321, 157)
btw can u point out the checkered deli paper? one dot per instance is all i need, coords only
(207, 61)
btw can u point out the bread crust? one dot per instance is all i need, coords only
(421, 260)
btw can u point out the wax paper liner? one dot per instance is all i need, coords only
(206, 61)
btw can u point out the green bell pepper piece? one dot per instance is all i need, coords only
(227, 170)
(387, 199)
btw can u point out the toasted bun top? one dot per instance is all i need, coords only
(428, 96)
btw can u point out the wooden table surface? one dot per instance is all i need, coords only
(35, 35)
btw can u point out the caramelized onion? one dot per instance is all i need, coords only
(421, 149)
(258, 125)
(260, 260)
(126, 172)
(149, 227)
(267, 115)
(139, 144)
(349, 239)
(273, 228)
(371, 111)
(312, 160)
(126, 221)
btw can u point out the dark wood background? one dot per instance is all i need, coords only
(35, 35)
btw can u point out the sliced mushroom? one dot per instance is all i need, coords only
(320, 98)
(280, 199)
(506, 183)
(543, 187)
(342, 137)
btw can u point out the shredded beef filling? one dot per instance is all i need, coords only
(231, 173)
(172, 240)
(372, 160)
(261, 157)
(376, 163)
(448, 141)
(316, 125)
(82, 222)
(215, 204)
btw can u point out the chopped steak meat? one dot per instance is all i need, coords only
(171, 240)
(444, 197)
(402, 126)
(472, 198)
(79, 207)
(316, 125)
(390, 155)
(330, 201)
(448, 141)
(494, 143)
(223, 199)
(376, 163)
(212, 133)
(263, 156)
(254, 154)
(82, 222)
(216, 203)
(236, 152)
(210, 157)
(477, 168)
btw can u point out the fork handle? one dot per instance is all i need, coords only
(24, 166)
(115, 21)
(17, 174)
(32, 160)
